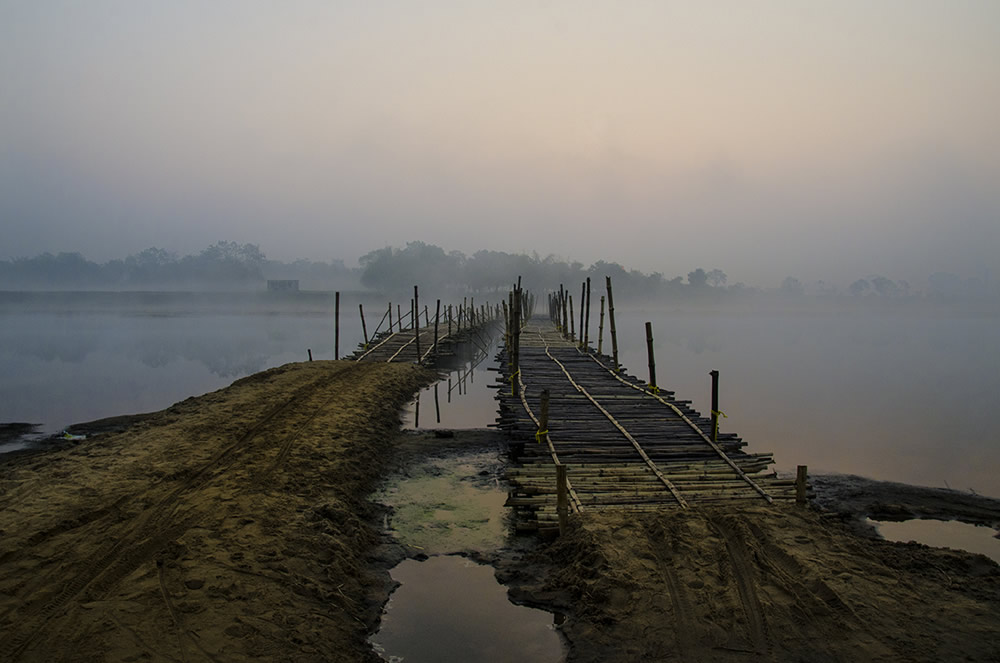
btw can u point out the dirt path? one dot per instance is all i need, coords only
(772, 584)
(227, 527)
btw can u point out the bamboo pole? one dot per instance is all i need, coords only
(391, 328)
(583, 299)
(336, 326)
(364, 327)
(416, 320)
(586, 326)
(437, 317)
(600, 329)
(652, 360)
(561, 501)
(801, 476)
(715, 404)
(611, 322)
(309, 350)
(572, 332)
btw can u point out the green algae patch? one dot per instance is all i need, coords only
(449, 504)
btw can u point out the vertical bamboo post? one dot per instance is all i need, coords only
(586, 318)
(416, 320)
(572, 331)
(801, 476)
(309, 350)
(364, 327)
(600, 329)
(583, 298)
(652, 361)
(565, 317)
(543, 417)
(399, 315)
(449, 320)
(562, 503)
(611, 322)
(437, 404)
(437, 317)
(390, 318)
(715, 405)
(427, 316)
(336, 326)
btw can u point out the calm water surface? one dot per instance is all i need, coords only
(896, 394)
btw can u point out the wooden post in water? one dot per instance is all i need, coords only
(586, 326)
(437, 317)
(801, 476)
(715, 405)
(611, 321)
(562, 503)
(364, 327)
(600, 329)
(449, 320)
(336, 326)
(652, 361)
(416, 321)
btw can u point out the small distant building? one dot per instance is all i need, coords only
(283, 285)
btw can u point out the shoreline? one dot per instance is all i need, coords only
(240, 525)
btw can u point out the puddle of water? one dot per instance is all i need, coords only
(942, 534)
(463, 399)
(451, 609)
(451, 504)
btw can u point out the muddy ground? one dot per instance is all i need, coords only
(238, 526)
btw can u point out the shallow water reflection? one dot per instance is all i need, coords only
(943, 534)
(451, 609)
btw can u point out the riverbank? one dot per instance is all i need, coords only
(232, 526)
(239, 526)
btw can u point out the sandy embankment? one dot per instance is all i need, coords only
(227, 527)
(236, 526)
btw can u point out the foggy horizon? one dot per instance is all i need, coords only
(821, 142)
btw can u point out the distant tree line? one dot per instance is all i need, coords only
(230, 265)
(223, 265)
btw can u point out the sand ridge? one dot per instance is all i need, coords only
(227, 527)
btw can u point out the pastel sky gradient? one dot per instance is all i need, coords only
(824, 140)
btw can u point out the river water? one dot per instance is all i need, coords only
(887, 392)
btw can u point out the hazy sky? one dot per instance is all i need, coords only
(824, 140)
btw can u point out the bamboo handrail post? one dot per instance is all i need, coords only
(336, 326)
(611, 322)
(437, 317)
(572, 332)
(652, 360)
(586, 326)
(364, 327)
(600, 329)
(715, 404)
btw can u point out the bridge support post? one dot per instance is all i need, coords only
(715, 405)
(416, 321)
(652, 360)
(600, 329)
(562, 503)
(801, 476)
(611, 321)
(586, 325)
(364, 327)
(437, 321)
(336, 325)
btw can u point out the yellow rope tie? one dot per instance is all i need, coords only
(718, 413)
(516, 373)
(539, 434)
(654, 389)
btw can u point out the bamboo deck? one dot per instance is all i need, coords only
(624, 445)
